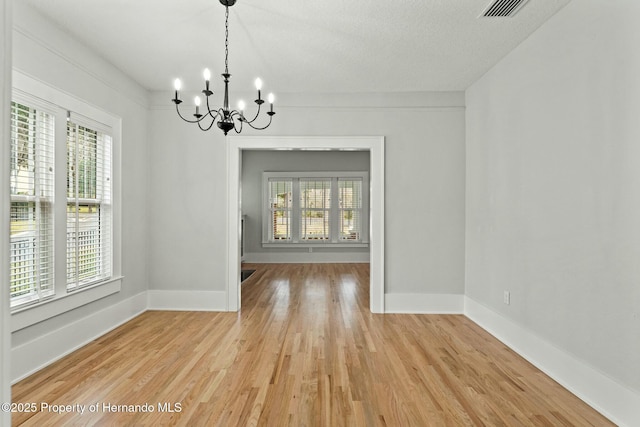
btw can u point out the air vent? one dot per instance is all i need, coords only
(503, 8)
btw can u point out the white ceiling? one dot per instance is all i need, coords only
(301, 46)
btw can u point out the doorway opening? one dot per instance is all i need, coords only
(375, 147)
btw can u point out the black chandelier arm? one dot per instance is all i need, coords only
(254, 117)
(261, 128)
(211, 113)
(208, 107)
(235, 128)
(213, 120)
(236, 116)
(201, 118)
(188, 120)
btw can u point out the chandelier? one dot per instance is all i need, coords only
(225, 118)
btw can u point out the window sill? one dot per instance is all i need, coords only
(314, 245)
(23, 317)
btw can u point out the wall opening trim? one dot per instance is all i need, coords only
(373, 144)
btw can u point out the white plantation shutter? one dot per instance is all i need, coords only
(280, 206)
(350, 209)
(315, 209)
(32, 188)
(89, 213)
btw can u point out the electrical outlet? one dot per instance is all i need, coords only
(507, 297)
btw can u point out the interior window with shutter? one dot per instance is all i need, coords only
(280, 206)
(315, 209)
(88, 206)
(32, 188)
(318, 208)
(350, 209)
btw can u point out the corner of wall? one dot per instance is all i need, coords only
(34, 355)
(613, 400)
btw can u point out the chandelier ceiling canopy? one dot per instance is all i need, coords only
(225, 118)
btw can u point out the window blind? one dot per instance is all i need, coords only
(89, 218)
(31, 193)
(350, 208)
(280, 206)
(315, 209)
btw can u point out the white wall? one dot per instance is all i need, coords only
(47, 53)
(255, 162)
(187, 196)
(424, 136)
(553, 186)
(5, 99)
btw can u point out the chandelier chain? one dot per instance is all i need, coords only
(226, 40)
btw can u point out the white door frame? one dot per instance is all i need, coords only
(5, 98)
(373, 144)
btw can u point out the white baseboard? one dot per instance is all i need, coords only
(187, 300)
(424, 303)
(46, 349)
(613, 400)
(305, 257)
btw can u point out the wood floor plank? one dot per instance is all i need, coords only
(304, 351)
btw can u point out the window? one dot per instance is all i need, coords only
(280, 205)
(65, 215)
(350, 209)
(315, 208)
(88, 206)
(31, 181)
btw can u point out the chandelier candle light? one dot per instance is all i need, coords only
(226, 119)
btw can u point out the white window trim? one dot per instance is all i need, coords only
(335, 242)
(40, 94)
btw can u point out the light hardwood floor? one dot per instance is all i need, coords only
(304, 350)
